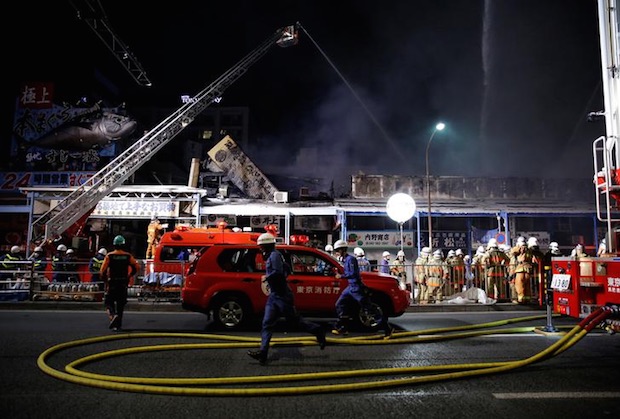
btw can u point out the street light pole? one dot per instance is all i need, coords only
(439, 127)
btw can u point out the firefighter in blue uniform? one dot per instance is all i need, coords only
(355, 291)
(280, 301)
(118, 267)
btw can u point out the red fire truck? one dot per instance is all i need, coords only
(581, 285)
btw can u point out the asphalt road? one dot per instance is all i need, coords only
(580, 382)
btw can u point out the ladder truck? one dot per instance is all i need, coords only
(76, 206)
(581, 285)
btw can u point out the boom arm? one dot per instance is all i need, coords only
(95, 17)
(85, 198)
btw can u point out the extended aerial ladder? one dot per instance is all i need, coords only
(606, 150)
(95, 17)
(83, 199)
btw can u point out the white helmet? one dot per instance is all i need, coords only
(520, 241)
(340, 244)
(15, 249)
(451, 253)
(386, 253)
(480, 250)
(554, 245)
(426, 250)
(437, 254)
(103, 251)
(400, 253)
(38, 249)
(61, 248)
(492, 243)
(358, 251)
(266, 238)
(532, 242)
(329, 248)
(458, 252)
(70, 251)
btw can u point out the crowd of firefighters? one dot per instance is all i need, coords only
(59, 271)
(502, 272)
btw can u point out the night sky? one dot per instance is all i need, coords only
(513, 79)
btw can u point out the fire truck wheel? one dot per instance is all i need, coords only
(231, 312)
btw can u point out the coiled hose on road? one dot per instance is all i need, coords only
(187, 386)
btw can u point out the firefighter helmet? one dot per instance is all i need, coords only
(340, 244)
(426, 250)
(492, 243)
(61, 248)
(386, 253)
(38, 249)
(329, 248)
(15, 249)
(103, 251)
(437, 254)
(480, 250)
(459, 252)
(266, 238)
(70, 251)
(532, 242)
(451, 253)
(520, 241)
(554, 245)
(118, 240)
(358, 251)
(400, 253)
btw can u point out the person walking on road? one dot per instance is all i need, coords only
(356, 291)
(118, 267)
(280, 302)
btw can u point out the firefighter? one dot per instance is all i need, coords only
(399, 267)
(523, 272)
(9, 263)
(58, 264)
(457, 266)
(355, 291)
(495, 263)
(153, 234)
(280, 301)
(537, 265)
(117, 269)
(384, 265)
(38, 259)
(477, 267)
(71, 266)
(362, 261)
(94, 266)
(420, 276)
(437, 273)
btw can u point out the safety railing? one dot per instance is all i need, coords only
(27, 280)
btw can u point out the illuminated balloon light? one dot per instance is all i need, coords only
(400, 207)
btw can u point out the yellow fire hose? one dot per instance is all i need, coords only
(412, 375)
